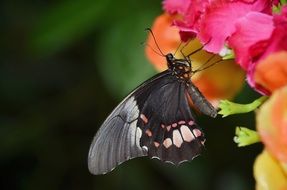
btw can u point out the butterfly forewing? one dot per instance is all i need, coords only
(118, 139)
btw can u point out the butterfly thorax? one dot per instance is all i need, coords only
(181, 68)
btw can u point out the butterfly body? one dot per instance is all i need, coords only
(155, 120)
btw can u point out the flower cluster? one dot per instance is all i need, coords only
(249, 27)
(253, 32)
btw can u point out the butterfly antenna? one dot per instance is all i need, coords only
(153, 36)
(143, 43)
(203, 68)
(206, 62)
(177, 48)
(197, 50)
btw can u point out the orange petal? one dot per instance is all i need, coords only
(268, 173)
(217, 83)
(272, 124)
(271, 73)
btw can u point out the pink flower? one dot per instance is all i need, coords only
(246, 26)
(213, 21)
(260, 50)
(190, 12)
(176, 6)
(256, 36)
(278, 40)
(253, 28)
(220, 19)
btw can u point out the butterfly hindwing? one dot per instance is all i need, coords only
(167, 122)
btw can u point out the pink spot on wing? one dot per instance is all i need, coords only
(144, 118)
(167, 142)
(191, 122)
(162, 126)
(156, 144)
(148, 132)
(197, 132)
(168, 127)
(174, 124)
(181, 122)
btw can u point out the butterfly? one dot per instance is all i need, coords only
(156, 120)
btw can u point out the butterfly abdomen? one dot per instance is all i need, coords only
(200, 101)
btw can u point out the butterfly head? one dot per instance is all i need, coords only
(181, 68)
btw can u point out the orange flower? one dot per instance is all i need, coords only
(268, 173)
(272, 124)
(271, 73)
(221, 81)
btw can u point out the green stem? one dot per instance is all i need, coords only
(244, 108)
(230, 108)
(245, 136)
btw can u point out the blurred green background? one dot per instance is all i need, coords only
(64, 67)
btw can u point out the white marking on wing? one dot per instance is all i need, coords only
(167, 143)
(186, 133)
(176, 137)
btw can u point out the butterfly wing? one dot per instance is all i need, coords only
(155, 120)
(118, 139)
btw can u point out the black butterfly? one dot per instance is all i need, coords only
(155, 120)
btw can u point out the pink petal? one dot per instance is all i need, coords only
(191, 14)
(195, 10)
(250, 29)
(218, 23)
(276, 2)
(277, 42)
(176, 6)
(186, 32)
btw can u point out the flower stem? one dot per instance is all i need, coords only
(245, 136)
(230, 108)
